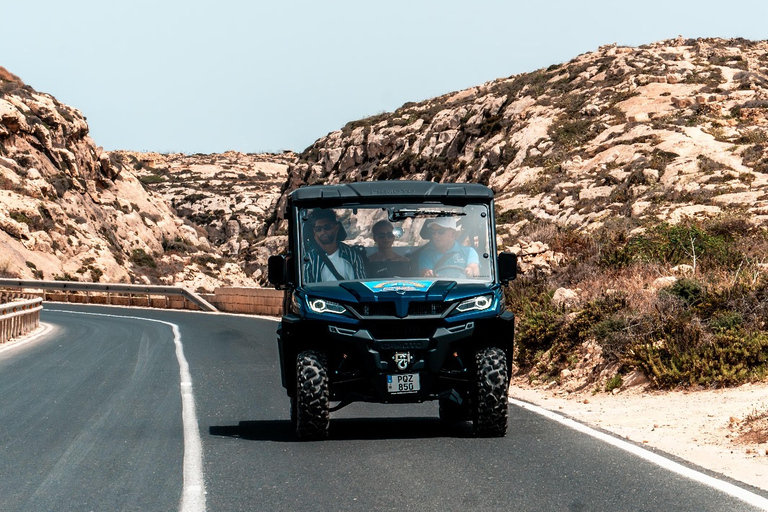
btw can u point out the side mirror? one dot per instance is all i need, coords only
(276, 271)
(507, 266)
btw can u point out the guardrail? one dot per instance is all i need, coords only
(130, 289)
(19, 317)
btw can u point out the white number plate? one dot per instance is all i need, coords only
(403, 383)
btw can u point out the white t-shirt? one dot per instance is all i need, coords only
(343, 267)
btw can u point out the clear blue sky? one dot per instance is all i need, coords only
(206, 77)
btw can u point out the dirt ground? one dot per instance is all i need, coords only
(723, 430)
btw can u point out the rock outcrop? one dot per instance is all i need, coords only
(665, 131)
(70, 211)
(227, 196)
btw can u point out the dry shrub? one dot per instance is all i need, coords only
(6, 268)
(754, 428)
(707, 329)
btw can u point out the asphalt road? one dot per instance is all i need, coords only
(92, 418)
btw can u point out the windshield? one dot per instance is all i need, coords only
(384, 242)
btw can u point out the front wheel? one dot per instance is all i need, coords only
(492, 386)
(310, 408)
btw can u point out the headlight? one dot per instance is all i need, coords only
(475, 304)
(325, 306)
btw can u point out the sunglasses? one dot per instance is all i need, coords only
(385, 234)
(440, 232)
(324, 227)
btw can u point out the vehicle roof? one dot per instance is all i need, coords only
(385, 191)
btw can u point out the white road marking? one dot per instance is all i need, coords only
(670, 465)
(193, 492)
(23, 340)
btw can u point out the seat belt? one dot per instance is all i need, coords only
(444, 258)
(327, 262)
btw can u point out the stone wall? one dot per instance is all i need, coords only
(263, 301)
(254, 301)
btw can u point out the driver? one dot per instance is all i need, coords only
(328, 258)
(443, 251)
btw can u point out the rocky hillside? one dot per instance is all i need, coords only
(620, 136)
(660, 132)
(70, 211)
(226, 196)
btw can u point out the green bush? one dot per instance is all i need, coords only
(730, 359)
(672, 245)
(614, 382)
(726, 321)
(541, 327)
(178, 244)
(538, 328)
(755, 136)
(708, 329)
(689, 290)
(571, 133)
(151, 179)
(142, 259)
(20, 217)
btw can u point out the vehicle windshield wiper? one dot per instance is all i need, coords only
(398, 214)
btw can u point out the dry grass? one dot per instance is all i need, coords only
(6, 269)
(705, 326)
(754, 428)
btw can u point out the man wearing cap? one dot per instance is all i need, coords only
(328, 259)
(443, 255)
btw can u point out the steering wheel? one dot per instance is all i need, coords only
(449, 271)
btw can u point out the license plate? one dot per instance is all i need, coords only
(403, 383)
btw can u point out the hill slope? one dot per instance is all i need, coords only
(68, 210)
(672, 129)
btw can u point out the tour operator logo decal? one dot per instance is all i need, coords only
(398, 286)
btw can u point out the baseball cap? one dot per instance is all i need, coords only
(443, 222)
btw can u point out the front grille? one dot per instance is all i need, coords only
(375, 308)
(366, 309)
(427, 308)
(401, 330)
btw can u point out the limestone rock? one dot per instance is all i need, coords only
(565, 298)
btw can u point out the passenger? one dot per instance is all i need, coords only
(329, 259)
(443, 255)
(384, 236)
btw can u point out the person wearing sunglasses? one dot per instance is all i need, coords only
(384, 236)
(443, 256)
(328, 258)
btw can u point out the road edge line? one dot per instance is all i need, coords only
(26, 338)
(653, 457)
(193, 487)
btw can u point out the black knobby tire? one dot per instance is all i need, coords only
(310, 408)
(491, 404)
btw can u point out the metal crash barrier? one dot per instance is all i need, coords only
(19, 317)
(243, 300)
(110, 293)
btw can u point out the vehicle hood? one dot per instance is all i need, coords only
(399, 290)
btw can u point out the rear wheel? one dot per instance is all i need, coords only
(491, 404)
(310, 408)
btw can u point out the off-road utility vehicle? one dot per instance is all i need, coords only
(393, 294)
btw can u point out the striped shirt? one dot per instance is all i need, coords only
(313, 265)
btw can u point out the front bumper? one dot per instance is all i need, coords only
(360, 357)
